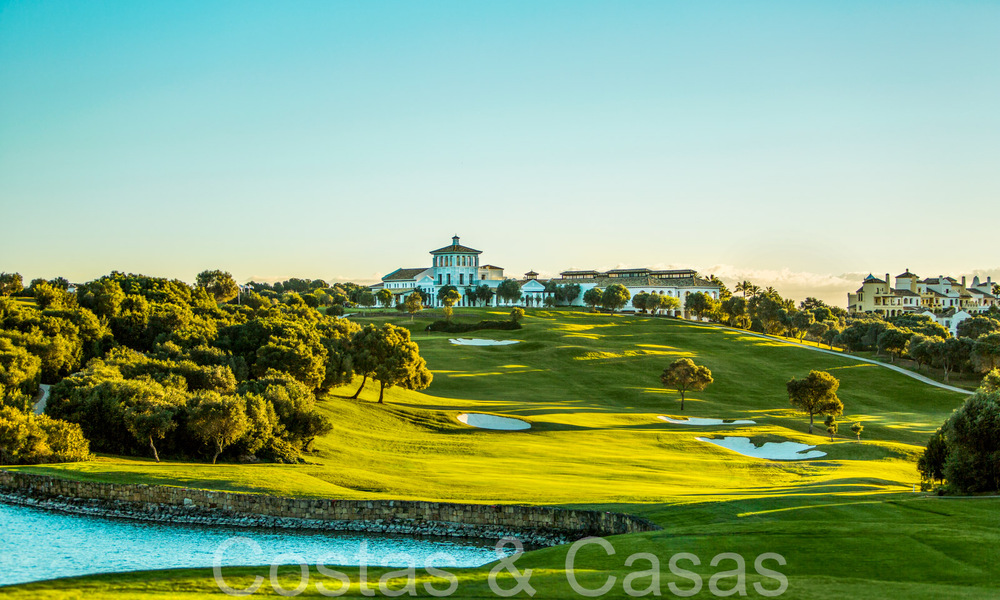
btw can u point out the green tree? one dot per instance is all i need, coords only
(801, 322)
(384, 298)
(392, 358)
(218, 420)
(219, 284)
(615, 297)
(149, 420)
(978, 326)
(700, 303)
(893, 340)
(414, 304)
(449, 298)
(685, 376)
(831, 426)
(509, 291)
(991, 382)
(11, 284)
(985, 353)
(366, 299)
(517, 314)
(950, 354)
(734, 309)
(639, 301)
(972, 436)
(815, 395)
(484, 294)
(930, 464)
(592, 297)
(857, 428)
(669, 303)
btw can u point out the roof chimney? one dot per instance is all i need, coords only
(888, 286)
(963, 280)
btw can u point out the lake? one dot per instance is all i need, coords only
(38, 544)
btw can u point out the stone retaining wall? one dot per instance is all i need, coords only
(538, 525)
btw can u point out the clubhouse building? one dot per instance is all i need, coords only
(460, 266)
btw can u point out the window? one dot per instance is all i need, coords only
(449, 278)
(461, 279)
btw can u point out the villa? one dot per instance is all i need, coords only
(945, 299)
(459, 266)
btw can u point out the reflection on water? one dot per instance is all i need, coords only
(37, 544)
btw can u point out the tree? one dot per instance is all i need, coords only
(517, 314)
(930, 464)
(384, 298)
(831, 426)
(509, 291)
(972, 436)
(484, 294)
(685, 376)
(219, 284)
(653, 303)
(801, 322)
(592, 297)
(857, 428)
(568, 293)
(985, 353)
(747, 288)
(700, 303)
(151, 419)
(367, 299)
(615, 297)
(11, 284)
(817, 330)
(950, 354)
(218, 420)
(978, 326)
(639, 301)
(669, 303)
(893, 340)
(449, 296)
(735, 310)
(815, 395)
(414, 304)
(991, 383)
(918, 348)
(393, 358)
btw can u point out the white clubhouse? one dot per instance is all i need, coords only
(459, 266)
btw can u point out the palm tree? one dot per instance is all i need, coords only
(744, 286)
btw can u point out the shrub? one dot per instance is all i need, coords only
(448, 327)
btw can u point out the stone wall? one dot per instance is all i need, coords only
(538, 525)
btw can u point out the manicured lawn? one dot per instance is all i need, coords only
(848, 523)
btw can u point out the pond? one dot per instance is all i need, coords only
(38, 544)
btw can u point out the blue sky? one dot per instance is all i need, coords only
(786, 141)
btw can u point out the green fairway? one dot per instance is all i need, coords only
(848, 523)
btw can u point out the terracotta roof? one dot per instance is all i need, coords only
(399, 274)
(491, 267)
(905, 293)
(456, 249)
(907, 274)
(646, 281)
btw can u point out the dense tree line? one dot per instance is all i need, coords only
(962, 453)
(151, 366)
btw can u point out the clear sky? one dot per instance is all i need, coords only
(792, 142)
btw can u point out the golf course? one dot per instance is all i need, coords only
(850, 522)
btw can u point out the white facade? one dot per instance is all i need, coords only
(459, 266)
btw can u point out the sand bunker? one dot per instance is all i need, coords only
(474, 342)
(770, 450)
(702, 421)
(483, 421)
